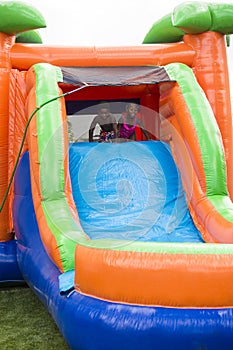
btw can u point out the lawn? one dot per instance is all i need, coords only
(25, 322)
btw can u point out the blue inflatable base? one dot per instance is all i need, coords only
(9, 269)
(87, 323)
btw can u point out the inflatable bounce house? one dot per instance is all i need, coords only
(127, 244)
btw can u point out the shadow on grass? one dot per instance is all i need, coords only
(25, 322)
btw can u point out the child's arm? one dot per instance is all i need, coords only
(145, 132)
(120, 122)
(113, 121)
(115, 129)
(92, 128)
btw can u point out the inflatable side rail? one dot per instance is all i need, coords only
(48, 144)
(204, 178)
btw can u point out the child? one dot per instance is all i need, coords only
(107, 123)
(128, 122)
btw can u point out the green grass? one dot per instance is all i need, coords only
(25, 322)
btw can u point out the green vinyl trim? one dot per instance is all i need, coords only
(49, 131)
(159, 247)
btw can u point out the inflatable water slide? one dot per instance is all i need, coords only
(127, 244)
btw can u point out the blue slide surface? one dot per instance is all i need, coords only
(130, 191)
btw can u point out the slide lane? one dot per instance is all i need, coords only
(130, 191)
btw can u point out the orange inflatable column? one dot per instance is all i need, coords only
(6, 42)
(16, 125)
(210, 67)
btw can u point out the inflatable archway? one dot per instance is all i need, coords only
(127, 244)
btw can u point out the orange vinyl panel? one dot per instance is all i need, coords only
(176, 280)
(17, 124)
(6, 42)
(24, 56)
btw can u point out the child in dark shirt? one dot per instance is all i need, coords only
(107, 123)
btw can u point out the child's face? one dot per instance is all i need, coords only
(104, 113)
(132, 110)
